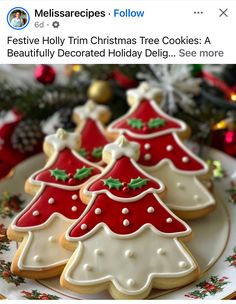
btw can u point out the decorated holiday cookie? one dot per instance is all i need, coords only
(93, 138)
(164, 155)
(53, 209)
(127, 241)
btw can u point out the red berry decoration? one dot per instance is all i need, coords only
(70, 175)
(45, 74)
(5, 274)
(71, 182)
(125, 189)
(145, 129)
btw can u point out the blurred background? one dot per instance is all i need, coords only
(36, 100)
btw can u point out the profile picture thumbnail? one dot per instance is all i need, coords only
(18, 18)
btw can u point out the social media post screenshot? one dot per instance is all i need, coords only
(117, 150)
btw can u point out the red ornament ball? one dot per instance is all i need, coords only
(45, 74)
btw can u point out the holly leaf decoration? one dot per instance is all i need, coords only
(155, 123)
(59, 174)
(137, 183)
(135, 123)
(83, 173)
(112, 183)
(83, 152)
(97, 152)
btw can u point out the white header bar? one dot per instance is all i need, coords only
(119, 32)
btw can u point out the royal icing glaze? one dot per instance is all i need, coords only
(133, 226)
(187, 192)
(160, 152)
(56, 203)
(128, 223)
(123, 147)
(93, 139)
(46, 252)
(69, 162)
(62, 140)
(148, 120)
(132, 172)
(39, 211)
(90, 110)
(144, 91)
(136, 264)
(161, 148)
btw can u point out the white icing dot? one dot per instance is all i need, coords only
(125, 210)
(126, 222)
(169, 220)
(169, 148)
(147, 146)
(182, 264)
(147, 156)
(35, 213)
(179, 185)
(98, 252)
(131, 282)
(51, 201)
(88, 267)
(74, 208)
(83, 226)
(37, 258)
(98, 211)
(196, 197)
(129, 253)
(74, 197)
(52, 239)
(185, 159)
(161, 251)
(150, 209)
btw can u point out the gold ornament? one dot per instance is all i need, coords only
(100, 91)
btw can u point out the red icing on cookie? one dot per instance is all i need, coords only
(124, 170)
(134, 216)
(92, 137)
(67, 161)
(146, 112)
(52, 200)
(165, 147)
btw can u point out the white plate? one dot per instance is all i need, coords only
(214, 240)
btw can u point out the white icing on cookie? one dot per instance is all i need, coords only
(144, 91)
(125, 210)
(126, 222)
(147, 146)
(90, 110)
(169, 148)
(150, 264)
(147, 156)
(98, 211)
(189, 193)
(123, 147)
(150, 210)
(41, 250)
(35, 213)
(51, 201)
(63, 139)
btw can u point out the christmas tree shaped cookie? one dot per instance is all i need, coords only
(53, 209)
(164, 156)
(89, 118)
(127, 241)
